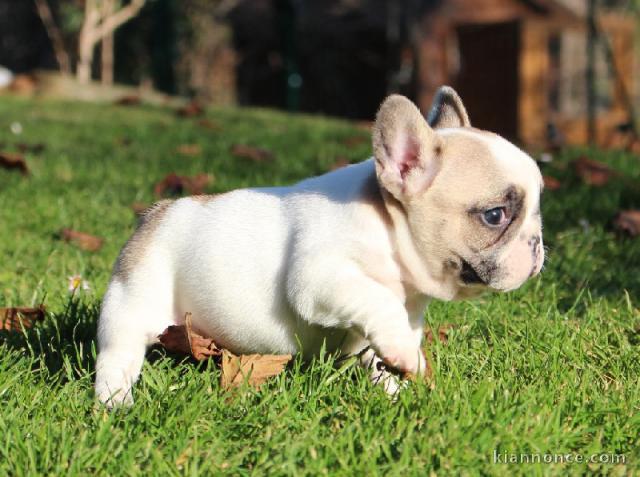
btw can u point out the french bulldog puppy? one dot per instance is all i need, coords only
(349, 258)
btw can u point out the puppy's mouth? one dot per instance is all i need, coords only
(469, 275)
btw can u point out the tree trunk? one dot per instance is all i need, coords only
(106, 52)
(86, 41)
(96, 26)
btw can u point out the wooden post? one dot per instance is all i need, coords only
(431, 62)
(591, 74)
(533, 107)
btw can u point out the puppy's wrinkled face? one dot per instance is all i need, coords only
(471, 198)
(483, 208)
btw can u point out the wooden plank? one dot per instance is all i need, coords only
(533, 111)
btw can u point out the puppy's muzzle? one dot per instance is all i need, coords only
(469, 275)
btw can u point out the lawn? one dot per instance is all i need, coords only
(551, 368)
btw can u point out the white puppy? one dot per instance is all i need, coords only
(349, 258)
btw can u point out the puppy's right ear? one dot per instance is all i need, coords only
(407, 151)
(447, 110)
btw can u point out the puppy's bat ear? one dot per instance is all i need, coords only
(407, 151)
(447, 110)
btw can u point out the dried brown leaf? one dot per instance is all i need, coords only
(634, 146)
(124, 141)
(628, 222)
(10, 160)
(85, 241)
(128, 100)
(443, 334)
(199, 346)
(139, 207)
(24, 84)
(174, 184)
(189, 149)
(592, 172)
(363, 125)
(182, 339)
(255, 154)
(16, 318)
(340, 161)
(255, 369)
(551, 183)
(210, 124)
(175, 340)
(190, 110)
(353, 141)
(36, 148)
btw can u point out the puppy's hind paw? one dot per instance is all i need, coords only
(114, 399)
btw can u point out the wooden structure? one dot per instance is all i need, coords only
(615, 86)
(504, 58)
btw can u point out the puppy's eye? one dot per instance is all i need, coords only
(495, 217)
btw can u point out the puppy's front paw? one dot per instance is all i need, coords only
(408, 360)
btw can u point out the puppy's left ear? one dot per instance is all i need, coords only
(447, 110)
(407, 151)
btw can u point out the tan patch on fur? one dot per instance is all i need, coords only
(204, 198)
(138, 244)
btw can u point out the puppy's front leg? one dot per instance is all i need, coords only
(337, 293)
(378, 372)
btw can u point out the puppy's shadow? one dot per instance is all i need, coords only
(63, 343)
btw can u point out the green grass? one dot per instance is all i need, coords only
(551, 368)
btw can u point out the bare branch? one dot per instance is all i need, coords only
(54, 34)
(111, 23)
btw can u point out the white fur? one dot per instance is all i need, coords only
(273, 270)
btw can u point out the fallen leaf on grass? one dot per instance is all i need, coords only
(85, 241)
(353, 141)
(634, 146)
(190, 110)
(14, 161)
(363, 125)
(256, 154)
(174, 184)
(128, 100)
(209, 124)
(592, 172)
(340, 161)
(255, 369)
(443, 334)
(182, 339)
(628, 222)
(16, 318)
(189, 149)
(551, 183)
(36, 148)
(139, 207)
(24, 84)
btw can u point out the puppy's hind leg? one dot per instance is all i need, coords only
(129, 322)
